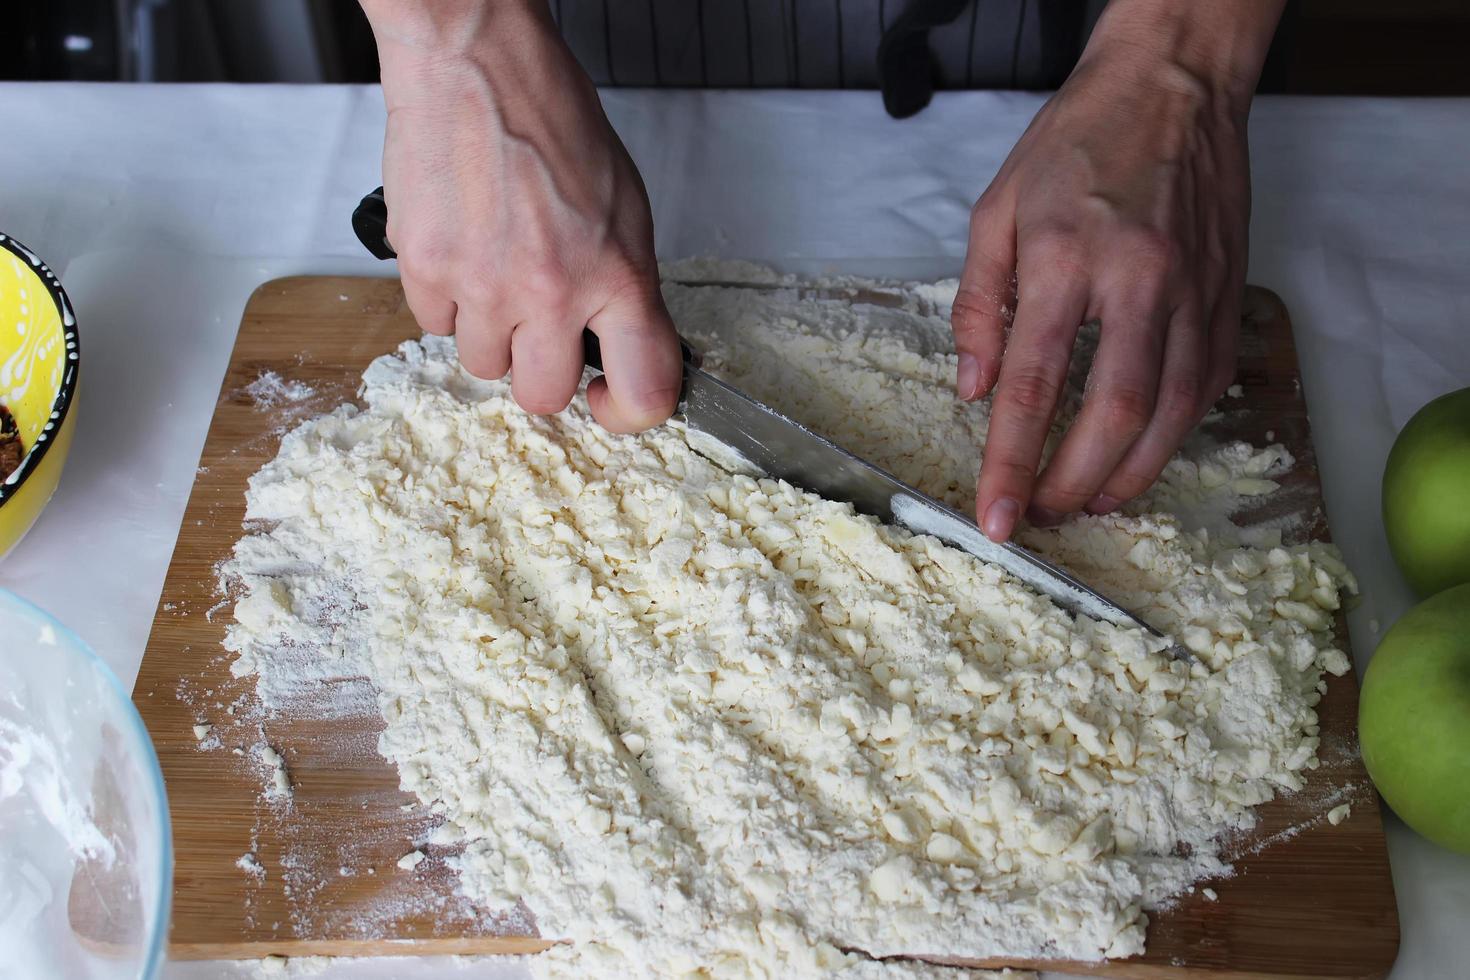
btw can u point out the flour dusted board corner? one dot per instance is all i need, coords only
(1308, 899)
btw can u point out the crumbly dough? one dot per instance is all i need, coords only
(697, 719)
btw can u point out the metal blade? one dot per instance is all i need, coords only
(788, 450)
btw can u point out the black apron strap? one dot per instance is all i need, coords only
(1061, 24)
(906, 67)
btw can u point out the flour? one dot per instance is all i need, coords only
(697, 718)
(249, 864)
(35, 772)
(278, 786)
(48, 831)
(271, 390)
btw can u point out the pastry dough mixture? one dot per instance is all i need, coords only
(697, 718)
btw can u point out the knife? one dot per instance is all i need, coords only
(782, 447)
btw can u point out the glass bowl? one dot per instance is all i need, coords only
(86, 859)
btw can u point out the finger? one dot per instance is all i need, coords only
(1052, 298)
(484, 346)
(1119, 402)
(434, 311)
(1181, 404)
(986, 298)
(545, 366)
(642, 368)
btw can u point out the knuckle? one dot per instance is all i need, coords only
(1182, 399)
(1152, 249)
(624, 276)
(973, 312)
(1064, 494)
(1033, 392)
(480, 288)
(545, 283)
(427, 261)
(1009, 472)
(1125, 410)
(1058, 247)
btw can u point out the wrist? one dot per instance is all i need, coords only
(410, 30)
(426, 49)
(1215, 48)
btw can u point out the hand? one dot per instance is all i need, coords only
(1126, 201)
(517, 215)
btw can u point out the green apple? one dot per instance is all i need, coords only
(1426, 495)
(1414, 718)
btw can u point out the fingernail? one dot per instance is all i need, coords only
(1043, 516)
(1000, 519)
(1103, 504)
(967, 379)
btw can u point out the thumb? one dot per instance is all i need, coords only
(642, 368)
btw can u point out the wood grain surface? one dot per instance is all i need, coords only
(1307, 899)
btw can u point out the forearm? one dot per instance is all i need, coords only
(1218, 46)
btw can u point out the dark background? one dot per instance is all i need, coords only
(1342, 47)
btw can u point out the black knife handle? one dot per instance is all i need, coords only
(370, 222)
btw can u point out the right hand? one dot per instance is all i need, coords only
(517, 215)
(1126, 201)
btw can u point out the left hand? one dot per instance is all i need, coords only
(1126, 201)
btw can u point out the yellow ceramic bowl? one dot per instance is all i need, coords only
(39, 356)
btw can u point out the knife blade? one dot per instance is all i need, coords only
(782, 447)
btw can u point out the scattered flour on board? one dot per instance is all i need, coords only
(279, 784)
(250, 865)
(270, 390)
(696, 718)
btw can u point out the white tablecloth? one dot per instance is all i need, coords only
(164, 206)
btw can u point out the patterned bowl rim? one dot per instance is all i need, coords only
(67, 390)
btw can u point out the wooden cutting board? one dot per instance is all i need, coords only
(1308, 899)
